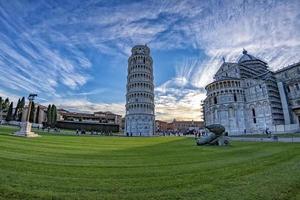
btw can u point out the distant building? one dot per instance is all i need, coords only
(161, 125)
(140, 119)
(177, 125)
(186, 125)
(247, 97)
(88, 121)
(96, 117)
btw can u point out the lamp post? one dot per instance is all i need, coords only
(30, 98)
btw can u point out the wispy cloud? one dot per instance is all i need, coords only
(84, 105)
(54, 48)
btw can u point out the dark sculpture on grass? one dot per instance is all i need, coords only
(217, 136)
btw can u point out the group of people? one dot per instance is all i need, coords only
(83, 132)
(49, 129)
(130, 134)
(180, 133)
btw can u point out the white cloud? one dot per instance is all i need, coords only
(84, 105)
(267, 29)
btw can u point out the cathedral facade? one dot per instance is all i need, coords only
(140, 119)
(247, 97)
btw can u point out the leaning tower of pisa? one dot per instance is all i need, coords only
(140, 119)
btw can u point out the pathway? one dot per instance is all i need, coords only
(248, 139)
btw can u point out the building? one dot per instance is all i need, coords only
(186, 125)
(288, 80)
(161, 125)
(98, 121)
(96, 117)
(175, 125)
(247, 97)
(140, 118)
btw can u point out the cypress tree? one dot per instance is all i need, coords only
(9, 112)
(17, 110)
(53, 115)
(22, 102)
(49, 115)
(32, 109)
(6, 104)
(21, 108)
(1, 107)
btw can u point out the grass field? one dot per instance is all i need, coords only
(79, 167)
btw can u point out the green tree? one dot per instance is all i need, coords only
(17, 110)
(1, 107)
(32, 109)
(49, 115)
(53, 115)
(9, 114)
(6, 104)
(21, 108)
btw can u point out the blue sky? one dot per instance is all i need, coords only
(74, 53)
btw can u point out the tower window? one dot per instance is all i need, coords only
(215, 100)
(253, 114)
(235, 98)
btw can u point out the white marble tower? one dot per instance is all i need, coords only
(140, 118)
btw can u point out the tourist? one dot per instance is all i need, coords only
(267, 131)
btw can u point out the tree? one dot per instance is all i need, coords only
(21, 108)
(53, 115)
(6, 104)
(49, 115)
(9, 112)
(17, 110)
(32, 109)
(1, 107)
(37, 115)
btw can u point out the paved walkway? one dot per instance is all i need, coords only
(249, 139)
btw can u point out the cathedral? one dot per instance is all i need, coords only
(246, 97)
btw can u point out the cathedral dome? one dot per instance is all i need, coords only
(246, 57)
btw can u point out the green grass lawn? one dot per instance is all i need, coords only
(76, 167)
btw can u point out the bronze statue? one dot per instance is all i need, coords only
(217, 136)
